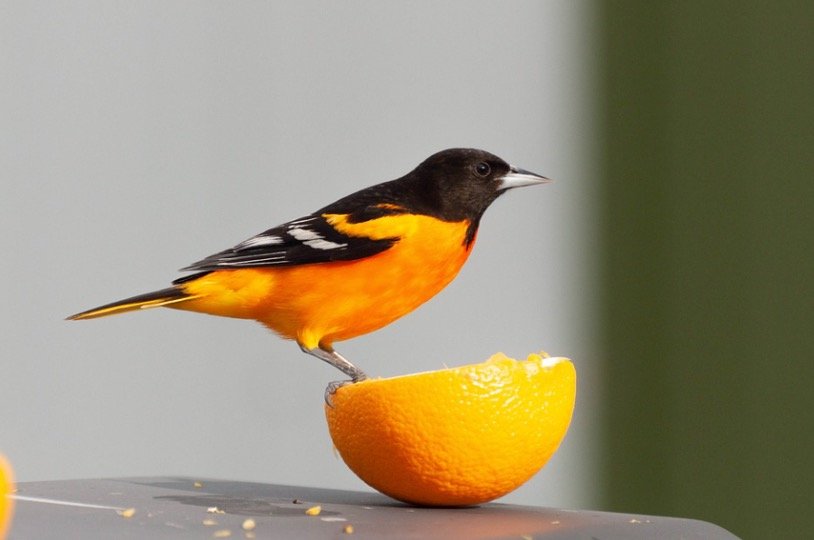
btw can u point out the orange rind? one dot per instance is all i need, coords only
(6, 501)
(455, 437)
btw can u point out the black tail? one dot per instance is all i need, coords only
(163, 297)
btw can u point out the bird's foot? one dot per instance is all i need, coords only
(333, 386)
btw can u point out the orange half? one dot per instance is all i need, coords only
(455, 437)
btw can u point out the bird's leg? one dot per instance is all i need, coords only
(339, 362)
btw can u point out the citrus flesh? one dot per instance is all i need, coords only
(6, 502)
(458, 436)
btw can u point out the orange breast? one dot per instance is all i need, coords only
(317, 304)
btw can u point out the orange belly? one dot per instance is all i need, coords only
(317, 304)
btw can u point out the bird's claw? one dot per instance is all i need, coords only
(332, 387)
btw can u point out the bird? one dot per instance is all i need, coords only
(353, 266)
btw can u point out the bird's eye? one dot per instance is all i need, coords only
(483, 168)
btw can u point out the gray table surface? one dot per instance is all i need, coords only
(175, 508)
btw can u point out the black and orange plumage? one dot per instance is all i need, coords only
(353, 266)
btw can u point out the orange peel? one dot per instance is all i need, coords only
(6, 501)
(455, 437)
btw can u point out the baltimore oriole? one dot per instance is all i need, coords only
(355, 265)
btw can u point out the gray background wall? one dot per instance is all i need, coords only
(138, 137)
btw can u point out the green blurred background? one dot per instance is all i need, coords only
(708, 185)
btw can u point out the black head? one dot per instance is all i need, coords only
(454, 185)
(461, 183)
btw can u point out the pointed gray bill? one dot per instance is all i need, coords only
(517, 177)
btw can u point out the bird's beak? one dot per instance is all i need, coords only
(519, 177)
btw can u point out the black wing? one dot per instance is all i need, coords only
(307, 240)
